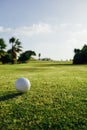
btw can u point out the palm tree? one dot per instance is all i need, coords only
(16, 48)
(39, 55)
(2, 47)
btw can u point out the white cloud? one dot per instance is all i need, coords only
(2, 29)
(35, 29)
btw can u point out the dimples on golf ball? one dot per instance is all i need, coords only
(22, 85)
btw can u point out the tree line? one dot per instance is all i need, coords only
(11, 55)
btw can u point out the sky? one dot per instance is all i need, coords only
(53, 28)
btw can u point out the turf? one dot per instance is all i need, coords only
(57, 99)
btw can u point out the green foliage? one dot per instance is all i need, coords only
(25, 56)
(57, 99)
(2, 44)
(16, 48)
(11, 55)
(80, 56)
(2, 47)
(7, 58)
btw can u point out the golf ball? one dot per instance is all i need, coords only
(22, 85)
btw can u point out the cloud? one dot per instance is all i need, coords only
(35, 29)
(2, 29)
(63, 29)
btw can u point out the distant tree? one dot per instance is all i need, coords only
(80, 56)
(2, 48)
(39, 55)
(25, 56)
(16, 48)
(46, 59)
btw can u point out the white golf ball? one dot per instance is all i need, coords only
(22, 85)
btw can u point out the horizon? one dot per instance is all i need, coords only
(52, 28)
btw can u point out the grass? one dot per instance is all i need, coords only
(57, 99)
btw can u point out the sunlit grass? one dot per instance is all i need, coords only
(57, 99)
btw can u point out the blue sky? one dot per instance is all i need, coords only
(50, 27)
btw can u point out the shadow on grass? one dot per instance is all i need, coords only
(43, 66)
(9, 96)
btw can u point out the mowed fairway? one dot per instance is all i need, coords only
(57, 99)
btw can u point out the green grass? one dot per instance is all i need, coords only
(57, 99)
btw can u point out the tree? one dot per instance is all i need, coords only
(6, 58)
(39, 55)
(80, 56)
(16, 48)
(25, 56)
(2, 48)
